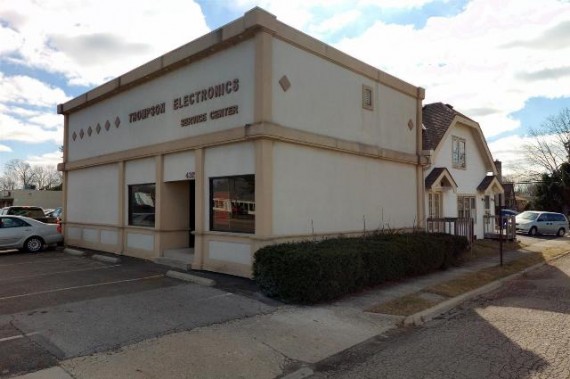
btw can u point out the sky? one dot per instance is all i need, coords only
(505, 64)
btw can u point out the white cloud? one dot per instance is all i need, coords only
(474, 60)
(5, 149)
(13, 129)
(91, 41)
(48, 159)
(21, 89)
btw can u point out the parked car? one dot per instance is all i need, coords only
(538, 222)
(17, 232)
(37, 213)
(55, 213)
(508, 212)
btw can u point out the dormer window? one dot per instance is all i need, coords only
(458, 152)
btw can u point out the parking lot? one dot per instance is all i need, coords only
(55, 306)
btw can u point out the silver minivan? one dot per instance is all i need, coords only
(538, 222)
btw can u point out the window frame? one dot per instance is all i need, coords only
(366, 89)
(458, 158)
(471, 201)
(216, 203)
(130, 211)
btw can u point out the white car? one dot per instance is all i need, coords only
(17, 232)
(538, 222)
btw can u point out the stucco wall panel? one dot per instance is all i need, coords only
(140, 171)
(234, 63)
(92, 195)
(230, 252)
(177, 165)
(323, 191)
(327, 99)
(140, 241)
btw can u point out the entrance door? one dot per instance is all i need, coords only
(191, 211)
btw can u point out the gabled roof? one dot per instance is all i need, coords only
(437, 118)
(487, 182)
(440, 175)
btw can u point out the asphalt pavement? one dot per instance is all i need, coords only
(172, 329)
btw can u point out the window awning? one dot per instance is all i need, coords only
(440, 178)
(490, 184)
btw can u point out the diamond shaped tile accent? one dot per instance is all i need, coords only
(98, 128)
(107, 125)
(284, 83)
(117, 121)
(81, 134)
(74, 136)
(410, 124)
(89, 131)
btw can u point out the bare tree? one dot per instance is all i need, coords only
(550, 146)
(7, 183)
(45, 177)
(19, 171)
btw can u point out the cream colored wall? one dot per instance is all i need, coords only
(236, 62)
(325, 191)
(326, 98)
(177, 165)
(92, 195)
(44, 199)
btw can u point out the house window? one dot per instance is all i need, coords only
(434, 205)
(466, 207)
(232, 204)
(367, 97)
(458, 152)
(142, 204)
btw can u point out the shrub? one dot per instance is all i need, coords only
(313, 271)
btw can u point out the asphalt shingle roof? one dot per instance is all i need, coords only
(437, 118)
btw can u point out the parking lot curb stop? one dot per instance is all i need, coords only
(75, 252)
(191, 278)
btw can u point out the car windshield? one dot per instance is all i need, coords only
(528, 216)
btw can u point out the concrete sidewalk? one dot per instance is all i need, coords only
(284, 343)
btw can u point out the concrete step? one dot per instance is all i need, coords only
(177, 258)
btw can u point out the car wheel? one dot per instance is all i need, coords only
(561, 232)
(33, 244)
(532, 231)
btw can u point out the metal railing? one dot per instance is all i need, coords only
(492, 227)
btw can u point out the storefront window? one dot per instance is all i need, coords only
(142, 205)
(232, 204)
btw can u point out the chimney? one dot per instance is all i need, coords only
(499, 166)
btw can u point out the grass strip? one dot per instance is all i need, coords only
(404, 306)
(413, 303)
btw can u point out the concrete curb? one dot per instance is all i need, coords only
(105, 258)
(191, 278)
(430, 313)
(77, 253)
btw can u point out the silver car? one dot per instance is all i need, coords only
(17, 232)
(537, 222)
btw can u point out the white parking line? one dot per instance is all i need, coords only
(79, 287)
(58, 272)
(18, 337)
(38, 262)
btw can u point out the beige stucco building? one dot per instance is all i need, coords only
(250, 135)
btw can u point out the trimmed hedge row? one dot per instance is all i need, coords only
(314, 271)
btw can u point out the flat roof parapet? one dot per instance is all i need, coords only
(244, 27)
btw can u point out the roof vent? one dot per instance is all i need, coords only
(449, 106)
